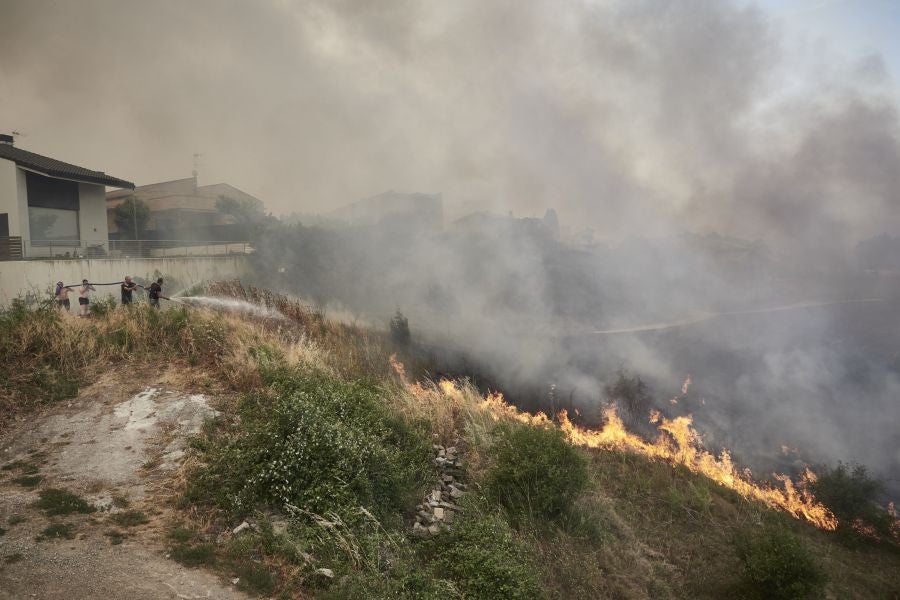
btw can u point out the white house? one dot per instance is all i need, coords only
(51, 208)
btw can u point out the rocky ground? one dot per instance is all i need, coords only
(118, 447)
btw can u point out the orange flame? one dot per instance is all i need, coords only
(678, 443)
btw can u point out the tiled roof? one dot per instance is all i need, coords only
(57, 168)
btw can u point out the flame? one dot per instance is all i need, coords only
(678, 443)
(686, 385)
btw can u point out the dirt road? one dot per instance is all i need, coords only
(118, 446)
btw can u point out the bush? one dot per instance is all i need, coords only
(536, 472)
(852, 495)
(400, 330)
(319, 445)
(778, 566)
(485, 561)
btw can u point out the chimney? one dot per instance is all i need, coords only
(6, 139)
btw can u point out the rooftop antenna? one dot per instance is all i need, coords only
(196, 171)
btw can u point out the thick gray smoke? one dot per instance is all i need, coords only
(717, 173)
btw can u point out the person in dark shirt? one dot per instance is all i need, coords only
(128, 286)
(154, 292)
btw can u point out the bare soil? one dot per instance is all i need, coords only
(119, 445)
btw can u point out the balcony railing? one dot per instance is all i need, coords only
(16, 248)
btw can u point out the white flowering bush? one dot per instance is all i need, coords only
(317, 444)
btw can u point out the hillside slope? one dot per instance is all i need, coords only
(317, 476)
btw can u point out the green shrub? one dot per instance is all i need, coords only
(320, 445)
(852, 495)
(57, 531)
(129, 518)
(482, 557)
(400, 330)
(62, 502)
(778, 566)
(194, 556)
(536, 473)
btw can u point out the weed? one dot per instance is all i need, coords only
(852, 495)
(13, 558)
(26, 468)
(115, 536)
(120, 501)
(62, 502)
(194, 556)
(58, 531)
(182, 535)
(779, 566)
(536, 473)
(29, 481)
(2, 531)
(484, 559)
(129, 518)
(254, 578)
(16, 519)
(320, 445)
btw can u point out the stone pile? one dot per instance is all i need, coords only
(440, 506)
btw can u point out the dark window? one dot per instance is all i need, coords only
(52, 210)
(4, 225)
(45, 192)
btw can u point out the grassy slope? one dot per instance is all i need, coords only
(643, 529)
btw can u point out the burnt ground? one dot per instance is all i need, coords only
(119, 446)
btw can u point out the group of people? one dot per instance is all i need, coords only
(128, 286)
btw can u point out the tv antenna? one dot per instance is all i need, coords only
(196, 170)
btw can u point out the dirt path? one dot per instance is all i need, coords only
(119, 447)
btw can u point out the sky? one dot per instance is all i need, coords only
(629, 117)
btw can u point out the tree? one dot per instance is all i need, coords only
(131, 217)
(248, 212)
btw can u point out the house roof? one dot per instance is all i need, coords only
(56, 168)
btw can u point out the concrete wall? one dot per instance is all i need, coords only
(9, 195)
(92, 214)
(37, 278)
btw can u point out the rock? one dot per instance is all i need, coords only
(451, 450)
(455, 492)
(441, 453)
(447, 478)
(434, 530)
(439, 513)
(235, 580)
(325, 572)
(241, 528)
(279, 527)
(436, 495)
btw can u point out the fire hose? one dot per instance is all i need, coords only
(115, 283)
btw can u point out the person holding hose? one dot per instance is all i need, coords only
(154, 293)
(62, 296)
(84, 296)
(128, 286)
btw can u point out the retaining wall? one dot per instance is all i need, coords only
(36, 279)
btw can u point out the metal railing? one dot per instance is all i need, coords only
(16, 248)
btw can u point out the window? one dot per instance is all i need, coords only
(53, 225)
(52, 210)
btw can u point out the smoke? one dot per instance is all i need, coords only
(722, 166)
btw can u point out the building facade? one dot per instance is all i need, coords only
(49, 207)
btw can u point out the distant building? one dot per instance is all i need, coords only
(181, 209)
(53, 206)
(422, 211)
(490, 224)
